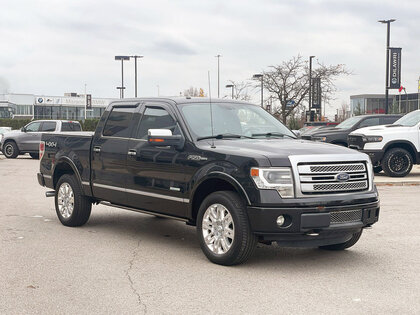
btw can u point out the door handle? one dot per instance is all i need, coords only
(132, 152)
(97, 149)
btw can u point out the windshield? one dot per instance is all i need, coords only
(245, 120)
(409, 120)
(348, 123)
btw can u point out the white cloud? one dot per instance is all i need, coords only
(52, 47)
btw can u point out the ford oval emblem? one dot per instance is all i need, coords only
(343, 177)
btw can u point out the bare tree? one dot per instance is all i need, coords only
(289, 83)
(241, 90)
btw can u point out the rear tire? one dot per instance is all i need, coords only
(10, 150)
(397, 162)
(223, 229)
(344, 245)
(72, 207)
(35, 156)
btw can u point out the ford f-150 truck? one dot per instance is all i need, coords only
(392, 148)
(229, 168)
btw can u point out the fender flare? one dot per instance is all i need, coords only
(404, 142)
(226, 177)
(66, 160)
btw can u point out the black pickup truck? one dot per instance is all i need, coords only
(229, 168)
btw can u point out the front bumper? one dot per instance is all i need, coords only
(375, 155)
(311, 226)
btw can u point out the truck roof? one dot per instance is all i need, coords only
(182, 100)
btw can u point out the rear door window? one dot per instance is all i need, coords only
(389, 120)
(70, 126)
(118, 122)
(374, 121)
(48, 126)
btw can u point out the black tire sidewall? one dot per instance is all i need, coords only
(387, 160)
(236, 208)
(15, 150)
(79, 208)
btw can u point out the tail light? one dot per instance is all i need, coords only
(41, 149)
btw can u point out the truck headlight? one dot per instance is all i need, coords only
(372, 138)
(280, 179)
(323, 139)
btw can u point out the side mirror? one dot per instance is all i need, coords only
(23, 129)
(164, 137)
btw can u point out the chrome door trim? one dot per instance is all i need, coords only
(144, 193)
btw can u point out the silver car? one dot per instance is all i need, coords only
(27, 139)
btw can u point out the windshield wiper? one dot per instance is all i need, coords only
(272, 134)
(224, 136)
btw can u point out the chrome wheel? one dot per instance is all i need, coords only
(218, 229)
(8, 150)
(65, 200)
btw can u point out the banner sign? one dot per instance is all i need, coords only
(316, 93)
(395, 68)
(88, 101)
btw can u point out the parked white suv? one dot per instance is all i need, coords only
(392, 148)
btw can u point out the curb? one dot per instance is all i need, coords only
(416, 183)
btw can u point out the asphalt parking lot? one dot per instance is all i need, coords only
(124, 262)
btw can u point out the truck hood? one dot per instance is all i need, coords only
(12, 133)
(332, 131)
(277, 151)
(380, 130)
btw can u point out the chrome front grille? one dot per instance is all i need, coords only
(332, 177)
(337, 168)
(345, 216)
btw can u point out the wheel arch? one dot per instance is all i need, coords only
(407, 145)
(212, 182)
(64, 166)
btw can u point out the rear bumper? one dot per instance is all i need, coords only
(312, 226)
(45, 180)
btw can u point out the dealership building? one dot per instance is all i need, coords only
(70, 106)
(375, 103)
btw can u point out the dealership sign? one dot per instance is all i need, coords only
(316, 93)
(395, 68)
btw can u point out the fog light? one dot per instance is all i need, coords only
(280, 220)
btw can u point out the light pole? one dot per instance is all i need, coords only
(135, 73)
(230, 86)
(218, 75)
(310, 86)
(388, 35)
(122, 88)
(260, 76)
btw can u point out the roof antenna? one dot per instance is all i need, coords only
(211, 113)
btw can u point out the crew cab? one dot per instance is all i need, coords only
(392, 148)
(27, 139)
(227, 167)
(338, 134)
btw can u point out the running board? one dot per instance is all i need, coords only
(109, 204)
(50, 193)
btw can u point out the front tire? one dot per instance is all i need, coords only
(72, 207)
(344, 245)
(397, 162)
(223, 229)
(10, 150)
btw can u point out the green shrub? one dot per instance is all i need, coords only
(14, 123)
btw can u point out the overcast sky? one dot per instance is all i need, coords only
(53, 47)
